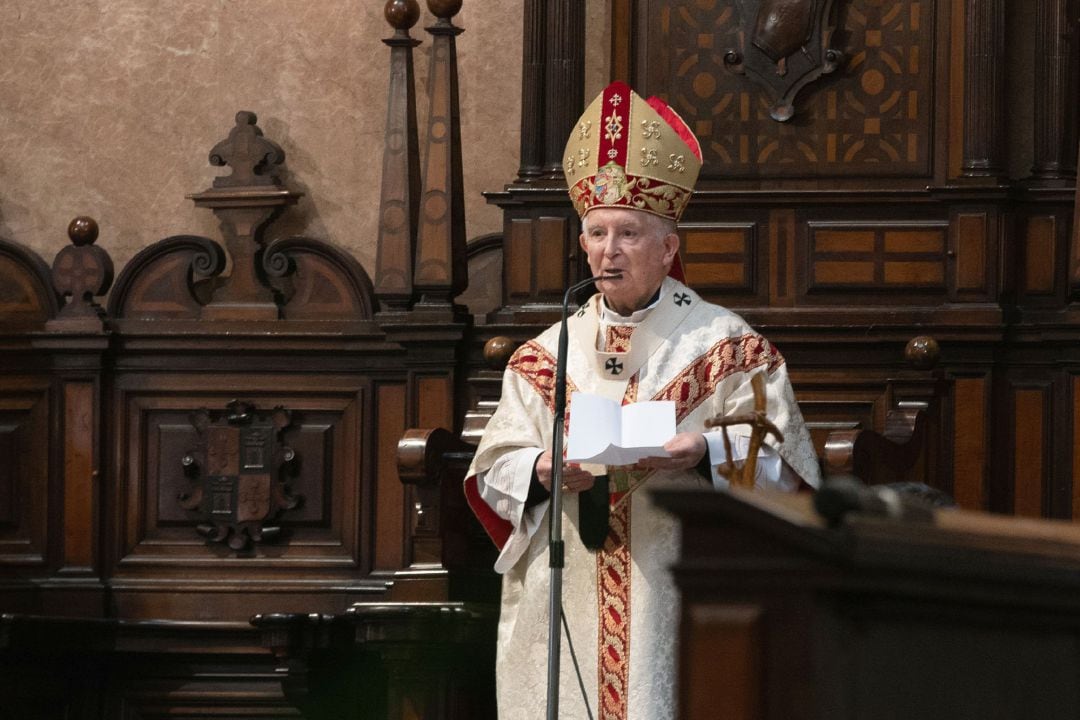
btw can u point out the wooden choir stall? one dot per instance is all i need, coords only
(230, 470)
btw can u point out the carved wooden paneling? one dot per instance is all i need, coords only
(730, 635)
(316, 281)
(80, 476)
(24, 472)
(719, 257)
(969, 442)
(517, 260)
(906, 257)
(1040, 252)
(971, 240)
(873, 119)
(782, 252)
(389, 552)
(26, 294)
(167, 279)
(434, 406)
(536, 257)
(324, 531)
(1030, 444)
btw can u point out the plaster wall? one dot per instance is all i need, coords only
(109, 108)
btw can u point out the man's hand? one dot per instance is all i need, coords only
(686, 450)
(574, 479)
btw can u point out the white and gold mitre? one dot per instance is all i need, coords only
(629, 152)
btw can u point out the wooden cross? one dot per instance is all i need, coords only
(760, 426)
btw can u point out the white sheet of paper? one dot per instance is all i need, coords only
(604, 432)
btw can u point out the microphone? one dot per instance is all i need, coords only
(556, 548)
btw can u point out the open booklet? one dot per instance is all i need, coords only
(604, 432)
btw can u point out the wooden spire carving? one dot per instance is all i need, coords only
(441, 263)
(245, 202)
(399, 204)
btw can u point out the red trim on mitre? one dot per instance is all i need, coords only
(497, 528)
(677, 124)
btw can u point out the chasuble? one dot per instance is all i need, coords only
(620, 601)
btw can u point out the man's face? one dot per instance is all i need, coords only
(634, 244)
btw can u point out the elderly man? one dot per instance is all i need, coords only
(631, 165)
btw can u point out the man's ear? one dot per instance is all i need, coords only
(671, 247)
(581, 242)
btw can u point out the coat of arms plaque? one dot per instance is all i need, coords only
(237, 473)
(784, 46)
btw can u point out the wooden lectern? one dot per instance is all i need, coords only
(933, 614)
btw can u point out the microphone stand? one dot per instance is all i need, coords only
(556, 548)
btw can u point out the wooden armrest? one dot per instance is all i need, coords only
(425, 454)
(896, 455)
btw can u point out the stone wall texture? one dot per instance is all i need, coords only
(109, 108)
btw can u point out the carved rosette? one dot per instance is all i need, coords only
(238, 470)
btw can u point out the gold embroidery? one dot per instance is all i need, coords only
(613, 571)
(700, 378)
(613, 126)
(617, 338)
(638, 192)
(677, 164)
(648, 157)
(650, 129)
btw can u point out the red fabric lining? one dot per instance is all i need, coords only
(497, 528)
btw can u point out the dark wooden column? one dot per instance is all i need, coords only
(532, 90)
(984, 78)
(441, 264)
(400, 201)
(565, 79)
(539, 224)
(1055, 89)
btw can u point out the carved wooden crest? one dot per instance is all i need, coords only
(784, 46)
(237, 473)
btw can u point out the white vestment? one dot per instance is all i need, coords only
(620, 602)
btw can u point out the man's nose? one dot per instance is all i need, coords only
(611, 245)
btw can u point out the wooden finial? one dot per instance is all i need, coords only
(80, 272)
(444, 9)
(497, 351)
(253, 158)
(82, 231)
(922, 351)
(402, 14)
